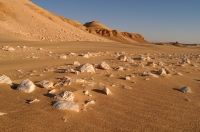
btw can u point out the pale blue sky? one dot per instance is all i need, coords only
(156, 20)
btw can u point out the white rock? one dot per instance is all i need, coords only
(104, 66)
(148, 74)
(88, 102)
(127, 78)
(120, 68)
(76, 63)
(65, 95)
(162, 72)
(34, 100)
(86, 56)
(63, 57)
(86, 68)
(77, 80)
(86, 92)
(185, 60)
(122, 58)
(8, 48)
(5, 79)
(1, 113)
(107, 91)
(26, 86)
(66, 105)
(46, 84)
(129, 60)
(185, 90)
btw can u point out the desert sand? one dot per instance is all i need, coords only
(130, 87)
(143, 103)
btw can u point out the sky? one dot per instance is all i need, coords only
(156, 20)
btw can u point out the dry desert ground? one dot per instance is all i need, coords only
(138, 87)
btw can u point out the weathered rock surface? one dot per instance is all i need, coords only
(46, 84)
(122, 58)
(95, 27)
(66, 105)
(26, 85)
(185, 90)
(86, 68)
(65, 95)
(5, 79)
(107, 91)
(104, 66)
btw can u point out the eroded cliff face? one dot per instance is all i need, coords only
(116, 35)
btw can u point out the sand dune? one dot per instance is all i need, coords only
(23, 18)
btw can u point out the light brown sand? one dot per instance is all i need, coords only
(151, 105)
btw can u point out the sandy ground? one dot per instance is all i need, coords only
(143, 103)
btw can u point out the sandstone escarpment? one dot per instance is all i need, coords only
(97, 28)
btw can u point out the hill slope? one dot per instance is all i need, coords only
(23, 18)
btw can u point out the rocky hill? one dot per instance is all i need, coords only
(24, 18)
(95, 27)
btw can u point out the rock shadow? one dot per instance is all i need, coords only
(98, 91)
(14, 86)
(49, 95)
(177, 89)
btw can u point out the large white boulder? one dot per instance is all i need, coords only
(26, 85)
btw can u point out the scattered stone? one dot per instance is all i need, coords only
(76, 63)
(86, 68)
(64, 119)
(119, 68)
(129, 60)
(178, 73)
(107, 91)
(122, 58)
(66, 105)
(65, 95)
(63, 57)
(2, 113)
(151, 64)
(185, 90)
(104, 66)
(86, 92)
(5, 79)
(164, 71)
(148, 74)
(52, 91)
(86, 56)
(8, 48)
(46, 84)
(127, 78)
(34, 100)
(185, 60)
(26, 85)
(127, 87)
(88, 102)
